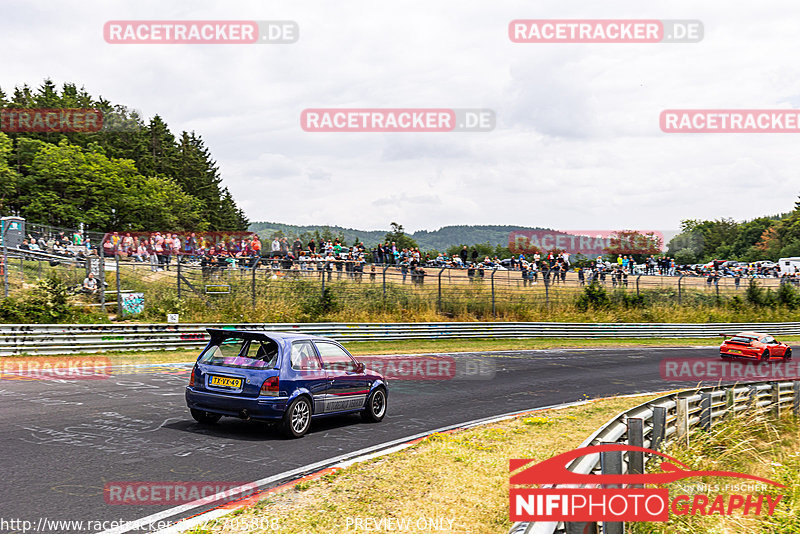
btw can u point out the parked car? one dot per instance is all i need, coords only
(754, 345)
(286, 378)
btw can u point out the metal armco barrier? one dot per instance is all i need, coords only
(70, 339)
(660, 422)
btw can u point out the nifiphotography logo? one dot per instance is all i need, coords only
(566, 496)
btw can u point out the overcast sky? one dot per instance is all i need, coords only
(577, 143)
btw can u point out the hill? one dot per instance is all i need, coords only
(440, 239)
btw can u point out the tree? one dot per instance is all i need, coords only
(399, 237)
(8, 176)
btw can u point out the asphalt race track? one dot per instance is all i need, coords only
(63, 441)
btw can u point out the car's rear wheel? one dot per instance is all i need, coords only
(206, 418)
(788, 354)
(765, 356)
(297, 419)
(376, 406)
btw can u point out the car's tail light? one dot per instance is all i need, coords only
(270, 387)
(191, 378)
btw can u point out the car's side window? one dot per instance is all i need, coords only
(334, 358)
(303, 356)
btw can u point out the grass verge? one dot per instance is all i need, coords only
(457, 480)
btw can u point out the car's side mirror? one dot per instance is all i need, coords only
(360, 367)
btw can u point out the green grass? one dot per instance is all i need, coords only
(750, 444)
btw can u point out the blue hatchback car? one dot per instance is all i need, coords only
(281, 377)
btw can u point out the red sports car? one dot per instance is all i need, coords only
(754, 345)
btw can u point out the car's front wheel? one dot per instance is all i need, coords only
(297, 419)
(376, 406)
(207, 418)
(765, 356)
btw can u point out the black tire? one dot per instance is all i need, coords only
(375, 409)
(207, 418)
(788, 354)
(297, 419)
(765, 356)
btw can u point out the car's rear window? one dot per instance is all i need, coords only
(242, 353)
(741, 339)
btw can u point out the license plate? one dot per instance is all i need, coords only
(734, 351)
(225, 382)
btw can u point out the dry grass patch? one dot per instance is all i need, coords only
(461, 477)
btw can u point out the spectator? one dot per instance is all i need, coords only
(89, 285)
(276, 247)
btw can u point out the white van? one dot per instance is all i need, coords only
(789, 265)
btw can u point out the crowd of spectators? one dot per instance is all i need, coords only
(159, 249)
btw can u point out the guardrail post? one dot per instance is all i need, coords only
(636, 438)
(730, 402)
(776, 399)
(705, 411)
(581, 528)
(659, 427)
(679, 288)
(682, 418)
(796, 389)
(611, 464)
(753, 397)
(494, 309)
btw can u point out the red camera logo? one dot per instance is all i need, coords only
(607, 499)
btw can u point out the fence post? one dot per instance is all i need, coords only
(179, 280)
(546, 279)
(682, 418)
(439, 298)
(716, 286)
(494, 309)
(256, 261)
(22, 269)
(386, 268)
(679, 288)
(637, 285)
(102, 277)
(120, 313)
(324, 271)
(5, 258)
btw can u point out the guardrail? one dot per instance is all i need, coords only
(66, 339)
(658, 423)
